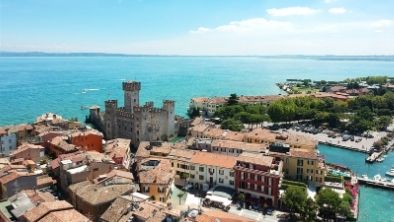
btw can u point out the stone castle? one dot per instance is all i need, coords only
(135, 122)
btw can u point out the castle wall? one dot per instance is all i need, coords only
(138, 123)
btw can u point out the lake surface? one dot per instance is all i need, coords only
(30, 86)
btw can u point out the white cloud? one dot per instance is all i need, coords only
(337, 11)
(383, 23)
(329, 1)
(246, 26)
(290, 11)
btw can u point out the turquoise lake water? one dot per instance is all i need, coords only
(30, 86)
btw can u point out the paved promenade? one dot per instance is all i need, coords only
(362, 146)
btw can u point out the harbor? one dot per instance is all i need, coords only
(373, 196)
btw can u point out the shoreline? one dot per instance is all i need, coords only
(362, 146)
(342, 146)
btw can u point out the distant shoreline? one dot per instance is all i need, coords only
(99, 54)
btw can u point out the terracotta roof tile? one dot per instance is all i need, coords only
(214, 159)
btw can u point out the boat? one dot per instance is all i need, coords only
(364, 176)
(379, 160)
(377, 178)
(390, 172)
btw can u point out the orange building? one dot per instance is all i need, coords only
(89, 140)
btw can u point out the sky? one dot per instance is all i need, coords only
(199, 27)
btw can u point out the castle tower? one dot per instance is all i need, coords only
(131, 94)
(110, 123)
(169, 106)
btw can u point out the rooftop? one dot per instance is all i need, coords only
(256, 159)
(159, 173)
(217, 215)
(60, 141)
(88, 190)
(62, 209)
(303, 153)
(251, 147)
(214, 159)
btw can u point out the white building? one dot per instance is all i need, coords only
(210, 169)
(8, 142)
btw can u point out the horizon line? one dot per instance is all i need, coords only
(87, 53)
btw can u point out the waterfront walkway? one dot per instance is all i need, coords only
(362, 146)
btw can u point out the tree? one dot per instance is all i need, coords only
(233, 99)
(333, 120)
(344, 209)
(295, 199)
(310, 211)
(383, 122)
(328, 202)
(193, 112)
(180, 195)
(232, 124)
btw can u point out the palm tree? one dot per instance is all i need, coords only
(180, 195)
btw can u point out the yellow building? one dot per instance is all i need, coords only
(155, 178)
(304, 165)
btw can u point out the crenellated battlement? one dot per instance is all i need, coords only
(111, 104)
(131, 86)
(149, 104)
(121, 112)
(147, 109)
(167, 101)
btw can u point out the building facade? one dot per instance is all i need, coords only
(29, 151)
(8, 142)
(258, 178)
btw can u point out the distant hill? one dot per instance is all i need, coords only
(316, 57)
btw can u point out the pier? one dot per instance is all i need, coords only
(374, 183)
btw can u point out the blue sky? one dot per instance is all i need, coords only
(203, 27)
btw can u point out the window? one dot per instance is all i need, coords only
(201, 177)
(221, 172)
(221, 180)
(300, 162)
(192, 168)
(231, 182)
(192, 176)
(201, 169)
(231, 174)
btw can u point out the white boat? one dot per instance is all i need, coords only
(390, 172)
(364, 176)
(380, 159)
(377, 177)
